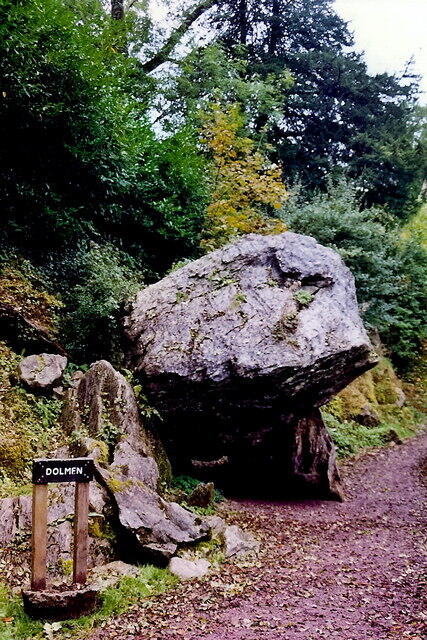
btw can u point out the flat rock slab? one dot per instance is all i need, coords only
(188, 569)
(267, 308)
(152, 528)
(237, 542)
(60, 605)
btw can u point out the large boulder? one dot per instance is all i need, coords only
(238, 349)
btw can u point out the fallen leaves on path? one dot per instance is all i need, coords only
(351, 571)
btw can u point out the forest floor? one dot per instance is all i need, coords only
(350, 571)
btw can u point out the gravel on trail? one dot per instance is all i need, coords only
(350, 571)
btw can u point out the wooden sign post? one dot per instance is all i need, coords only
(80, 471)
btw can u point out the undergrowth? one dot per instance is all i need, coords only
(114, 601)
(183, 486)
(29, 426)
(372, 411)
(23, 287)
(350, 437)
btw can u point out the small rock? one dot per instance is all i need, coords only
(15, 516)
(203, 495)
(237, 542)
(393, 437)
(42, 371)
(401, 398)
(187, 569)
(368, 417)
(216, 524)
(108, 575)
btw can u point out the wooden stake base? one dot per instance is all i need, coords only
(60, 605)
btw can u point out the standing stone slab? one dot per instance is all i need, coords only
(127, 458)
(238, 348)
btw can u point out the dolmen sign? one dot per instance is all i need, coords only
(60, 603)
(74, 470)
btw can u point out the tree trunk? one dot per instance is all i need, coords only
(275, 27)
(243, 21)
(117, 9)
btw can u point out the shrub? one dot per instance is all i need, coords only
(246, 189)
(350, 437)
(91, 327)
(389, 271)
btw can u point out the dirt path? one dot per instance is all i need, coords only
(351, 571)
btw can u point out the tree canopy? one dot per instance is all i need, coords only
(128, 146)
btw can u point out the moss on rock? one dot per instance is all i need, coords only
(23, 289)
(370, 411)
(388, 389)
(369, 396)
(29, 425)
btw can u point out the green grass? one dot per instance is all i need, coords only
(115, 600)
(22, 626)
(350, 437)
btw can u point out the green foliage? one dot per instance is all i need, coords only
(91, 325)
(186, 485)
(28, 425)
(213, 74)
(350, 437)
(389, 272)
(335, 115)
(21, 626)
(246, 188)
(130, 590)
(369, 412)
(79, 160)
(303, 298)
(417, 226)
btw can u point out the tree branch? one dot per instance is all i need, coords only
(189, 17)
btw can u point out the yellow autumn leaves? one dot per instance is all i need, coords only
(245, 186)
